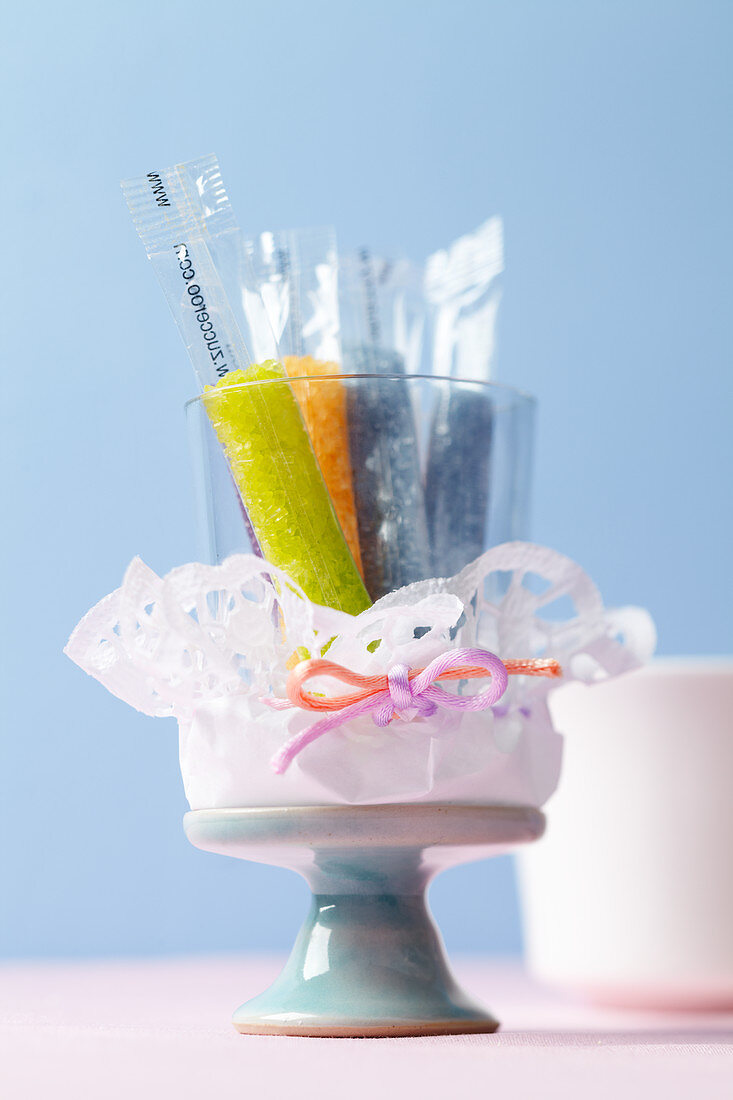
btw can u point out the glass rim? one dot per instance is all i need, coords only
(517, 396)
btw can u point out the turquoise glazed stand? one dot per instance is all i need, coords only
(369, 960)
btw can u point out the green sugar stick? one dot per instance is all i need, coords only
(272, 461)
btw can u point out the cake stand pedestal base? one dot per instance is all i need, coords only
(369, 960)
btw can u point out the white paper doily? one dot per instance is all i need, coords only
(205, 644)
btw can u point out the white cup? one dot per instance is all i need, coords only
(629, 897)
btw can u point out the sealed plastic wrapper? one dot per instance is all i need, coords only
(259, 424)
(462, 286)
(382, 304)
(324, 411)
(186, 223)
(388, 488)
(289, 289)
(176, 212)
(293, 274)
(205, 645)
(185, 219)
(378, 330)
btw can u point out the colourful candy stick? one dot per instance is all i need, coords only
(457, 478)
(385, 458)
(323, 405)
(279, 480)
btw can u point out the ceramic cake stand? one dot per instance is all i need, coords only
(369, 960)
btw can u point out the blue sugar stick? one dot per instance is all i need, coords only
(463, 286)
(388, 492)
(458, 477)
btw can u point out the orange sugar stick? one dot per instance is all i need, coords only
(323, 407)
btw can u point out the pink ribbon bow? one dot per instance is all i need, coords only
(406, 693)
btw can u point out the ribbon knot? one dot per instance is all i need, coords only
(403, 693)
(405, 700)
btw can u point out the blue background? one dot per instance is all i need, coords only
(601, 132)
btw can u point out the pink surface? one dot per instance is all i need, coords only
(161, 1029)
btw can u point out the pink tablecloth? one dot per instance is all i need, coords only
(160, 1029)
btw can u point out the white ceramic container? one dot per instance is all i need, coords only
(629, 897)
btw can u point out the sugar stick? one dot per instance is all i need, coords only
(272, 461)
(458, 477)
(323, 407)
(462, 283)
(386, 466)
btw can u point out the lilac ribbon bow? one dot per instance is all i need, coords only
(407, 699)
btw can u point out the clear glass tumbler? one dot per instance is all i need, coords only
(439, 469)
